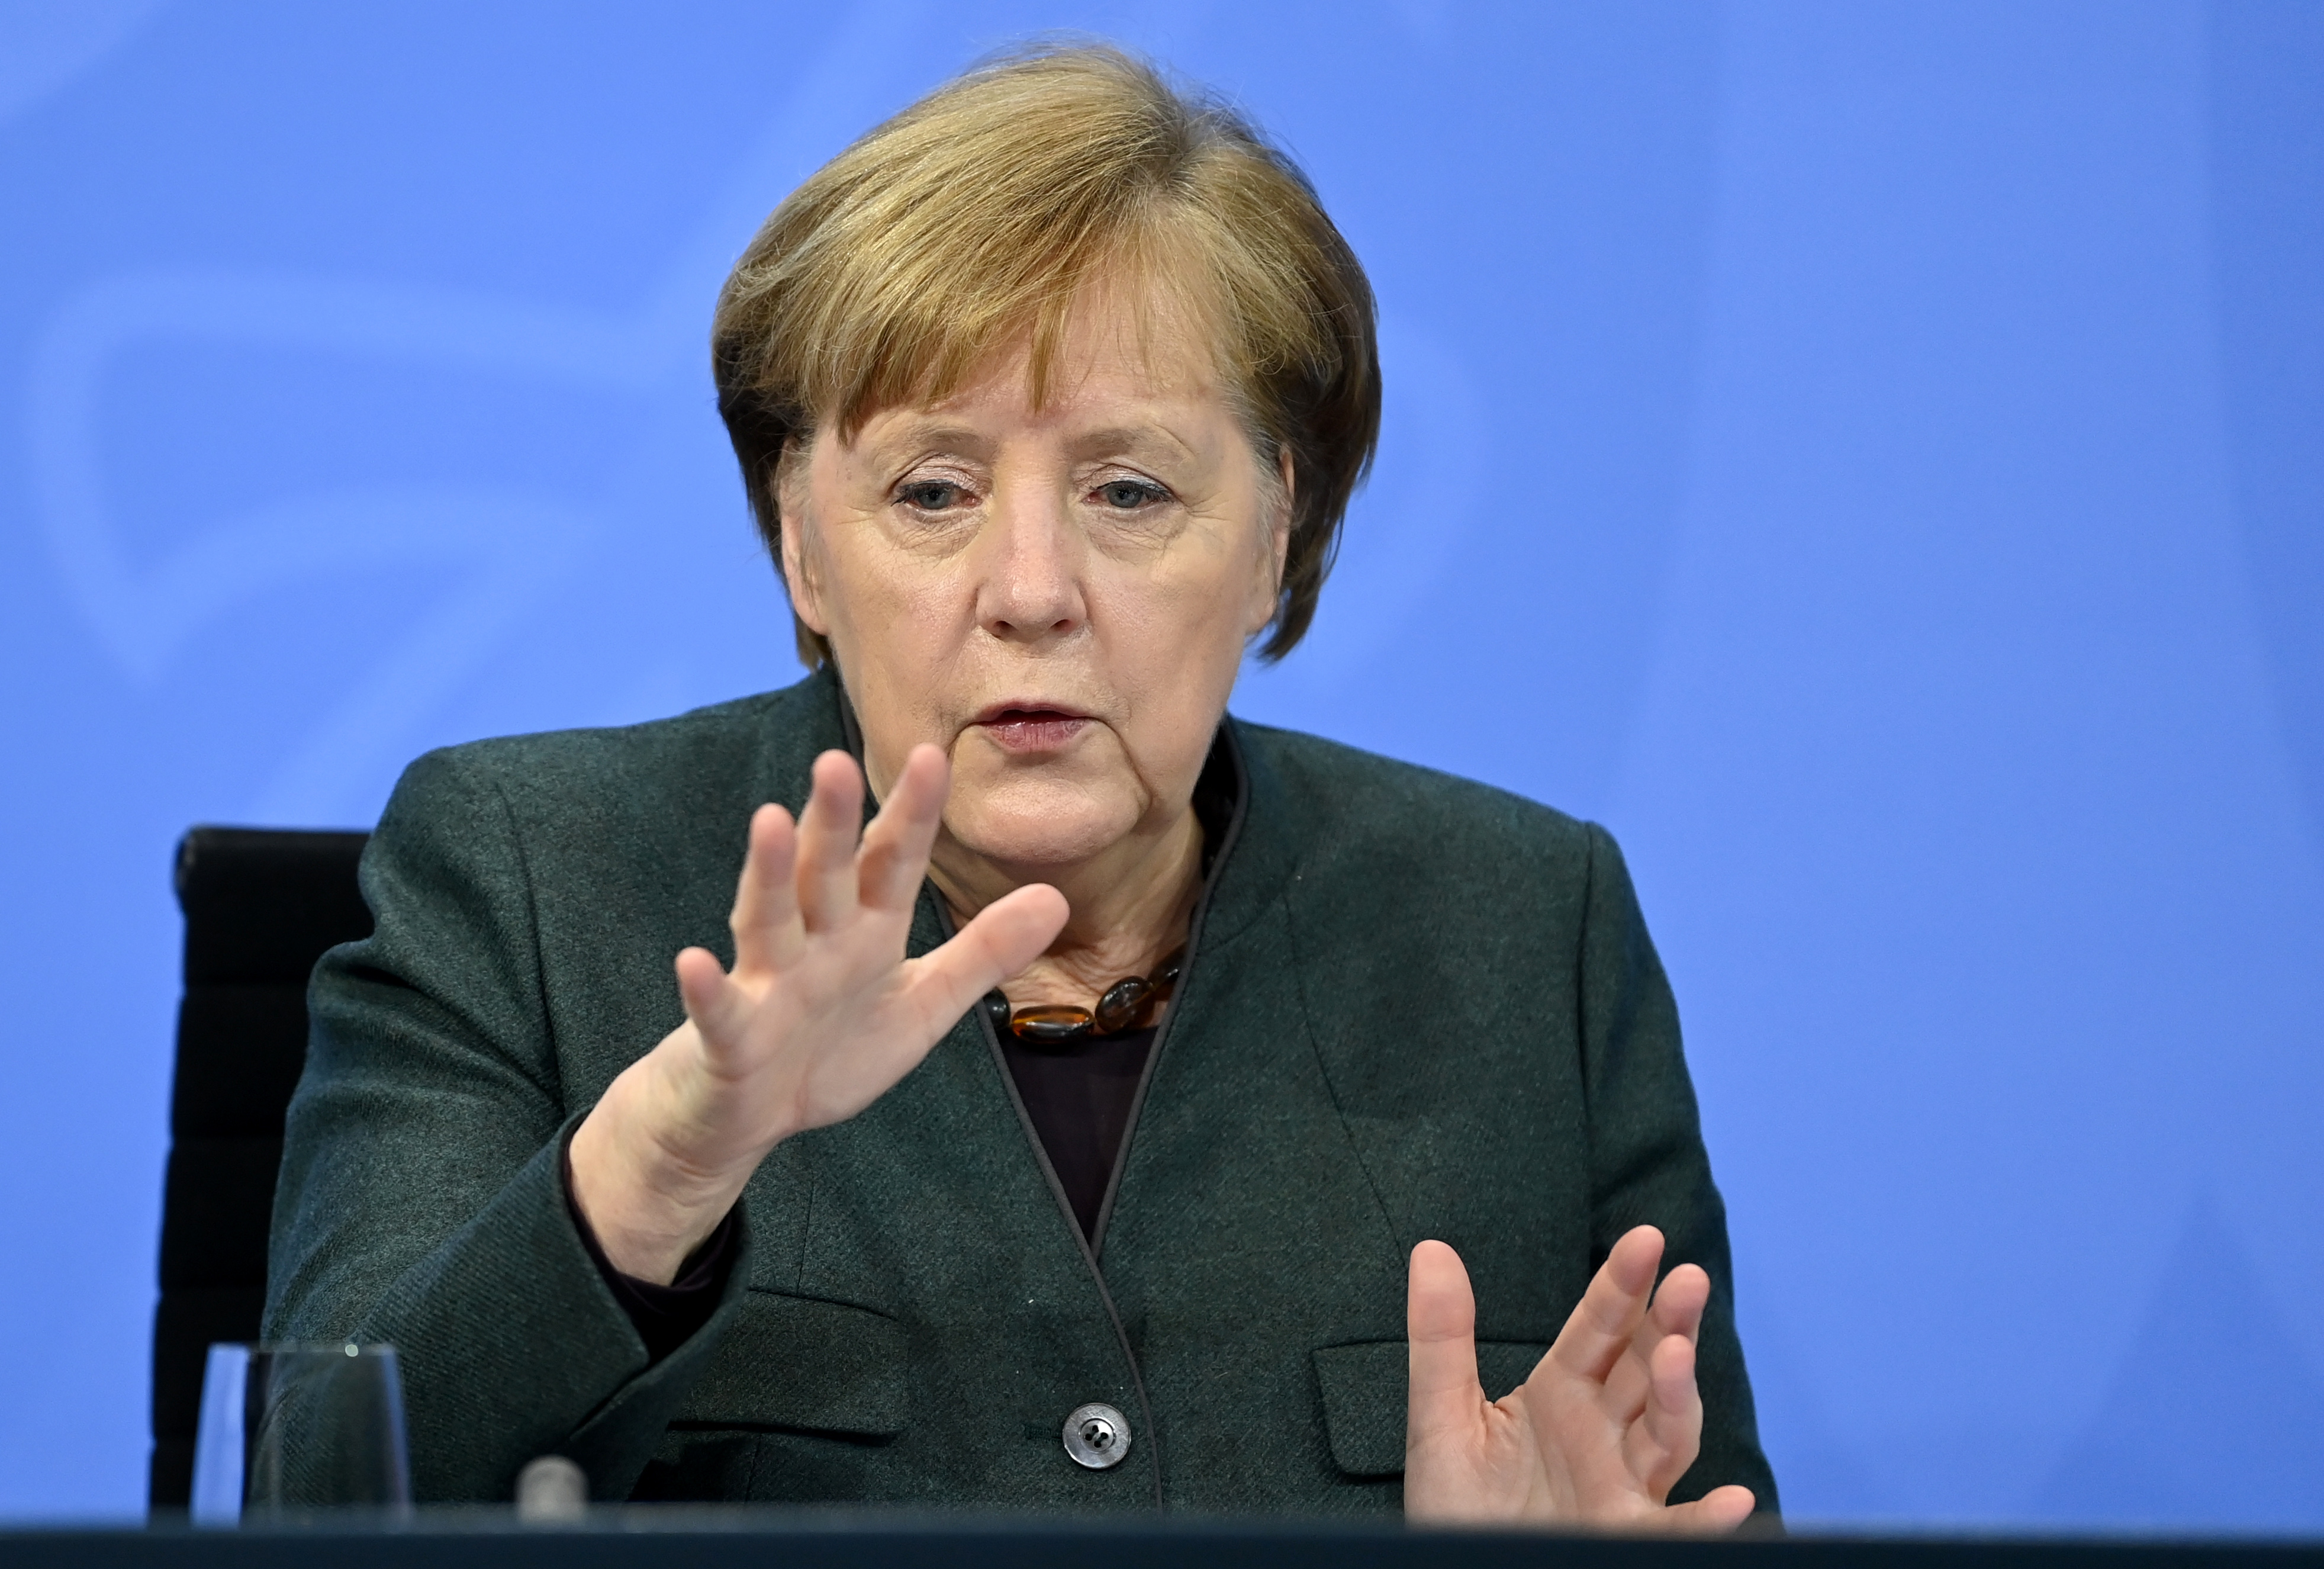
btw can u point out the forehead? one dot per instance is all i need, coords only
(1154, 310)
(1118, 359)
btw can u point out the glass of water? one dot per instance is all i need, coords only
(289, 1429)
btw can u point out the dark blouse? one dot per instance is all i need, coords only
(1079, 1098)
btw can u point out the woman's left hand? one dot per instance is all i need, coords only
(1599, 1434)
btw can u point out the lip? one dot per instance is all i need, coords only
(1031, 725)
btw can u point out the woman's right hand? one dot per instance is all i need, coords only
(821, 1015)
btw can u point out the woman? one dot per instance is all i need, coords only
(1122, 1117)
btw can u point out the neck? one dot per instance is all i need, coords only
(1131, 904)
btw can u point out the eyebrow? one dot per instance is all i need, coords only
(1129, 438)
(933, 432)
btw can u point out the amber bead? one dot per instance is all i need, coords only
(1122, 1004)
(1050, 1023)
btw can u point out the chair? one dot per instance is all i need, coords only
(261, 906)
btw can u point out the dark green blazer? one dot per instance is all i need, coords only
(1413, 1007)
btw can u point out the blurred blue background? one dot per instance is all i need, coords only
(1869, 454)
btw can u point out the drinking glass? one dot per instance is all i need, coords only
(286, 1429)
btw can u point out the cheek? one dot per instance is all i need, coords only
(1180, 632)
(877, 595)
(898, 633)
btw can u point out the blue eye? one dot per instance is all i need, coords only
(930, 495)
(1127, 494)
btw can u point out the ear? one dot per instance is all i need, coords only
(802, 561)
(1266, 596)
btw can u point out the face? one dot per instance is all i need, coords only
(1058, 597)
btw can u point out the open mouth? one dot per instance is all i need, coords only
(1031, 727)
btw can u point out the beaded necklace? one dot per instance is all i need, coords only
(1130, 1003)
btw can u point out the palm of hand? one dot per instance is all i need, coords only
(821, 1013)
(1597, 1435)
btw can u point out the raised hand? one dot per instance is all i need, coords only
(821, 1015)
(1596, 1436)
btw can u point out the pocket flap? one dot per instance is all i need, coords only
(1364, 1389)
(802, 1362)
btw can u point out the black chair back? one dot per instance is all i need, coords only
(261, 906)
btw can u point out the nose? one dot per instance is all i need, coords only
(1031, 591)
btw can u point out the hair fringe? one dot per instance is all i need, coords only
(982, 214)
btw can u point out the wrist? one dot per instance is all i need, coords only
(647, 1208)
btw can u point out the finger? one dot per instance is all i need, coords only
(895, 855)
(1679, 1302)
(717, 1007)
(1720, 1510)
(1668, 1435)
(1677, 1310)
(1630, 1383)
(765, 922)
(1600, 1329)
(1006, 936)
(1440, 1318)
(828, 830)
(1022, 923)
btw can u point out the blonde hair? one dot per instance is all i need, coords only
(979, 215)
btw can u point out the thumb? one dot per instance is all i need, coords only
(1715, 1513)
(1440, 1319)
(1006, 936)
(715, 1005)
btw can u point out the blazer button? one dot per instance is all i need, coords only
(1097, 1436)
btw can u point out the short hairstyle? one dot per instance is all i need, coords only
(977, 216)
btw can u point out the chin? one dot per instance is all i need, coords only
(1040, 827)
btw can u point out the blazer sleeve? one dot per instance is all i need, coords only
(1647, 1163)
(421, 1198)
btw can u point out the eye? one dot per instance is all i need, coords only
(1128, 494)
(930, 495)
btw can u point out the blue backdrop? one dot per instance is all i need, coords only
(1870, 455)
